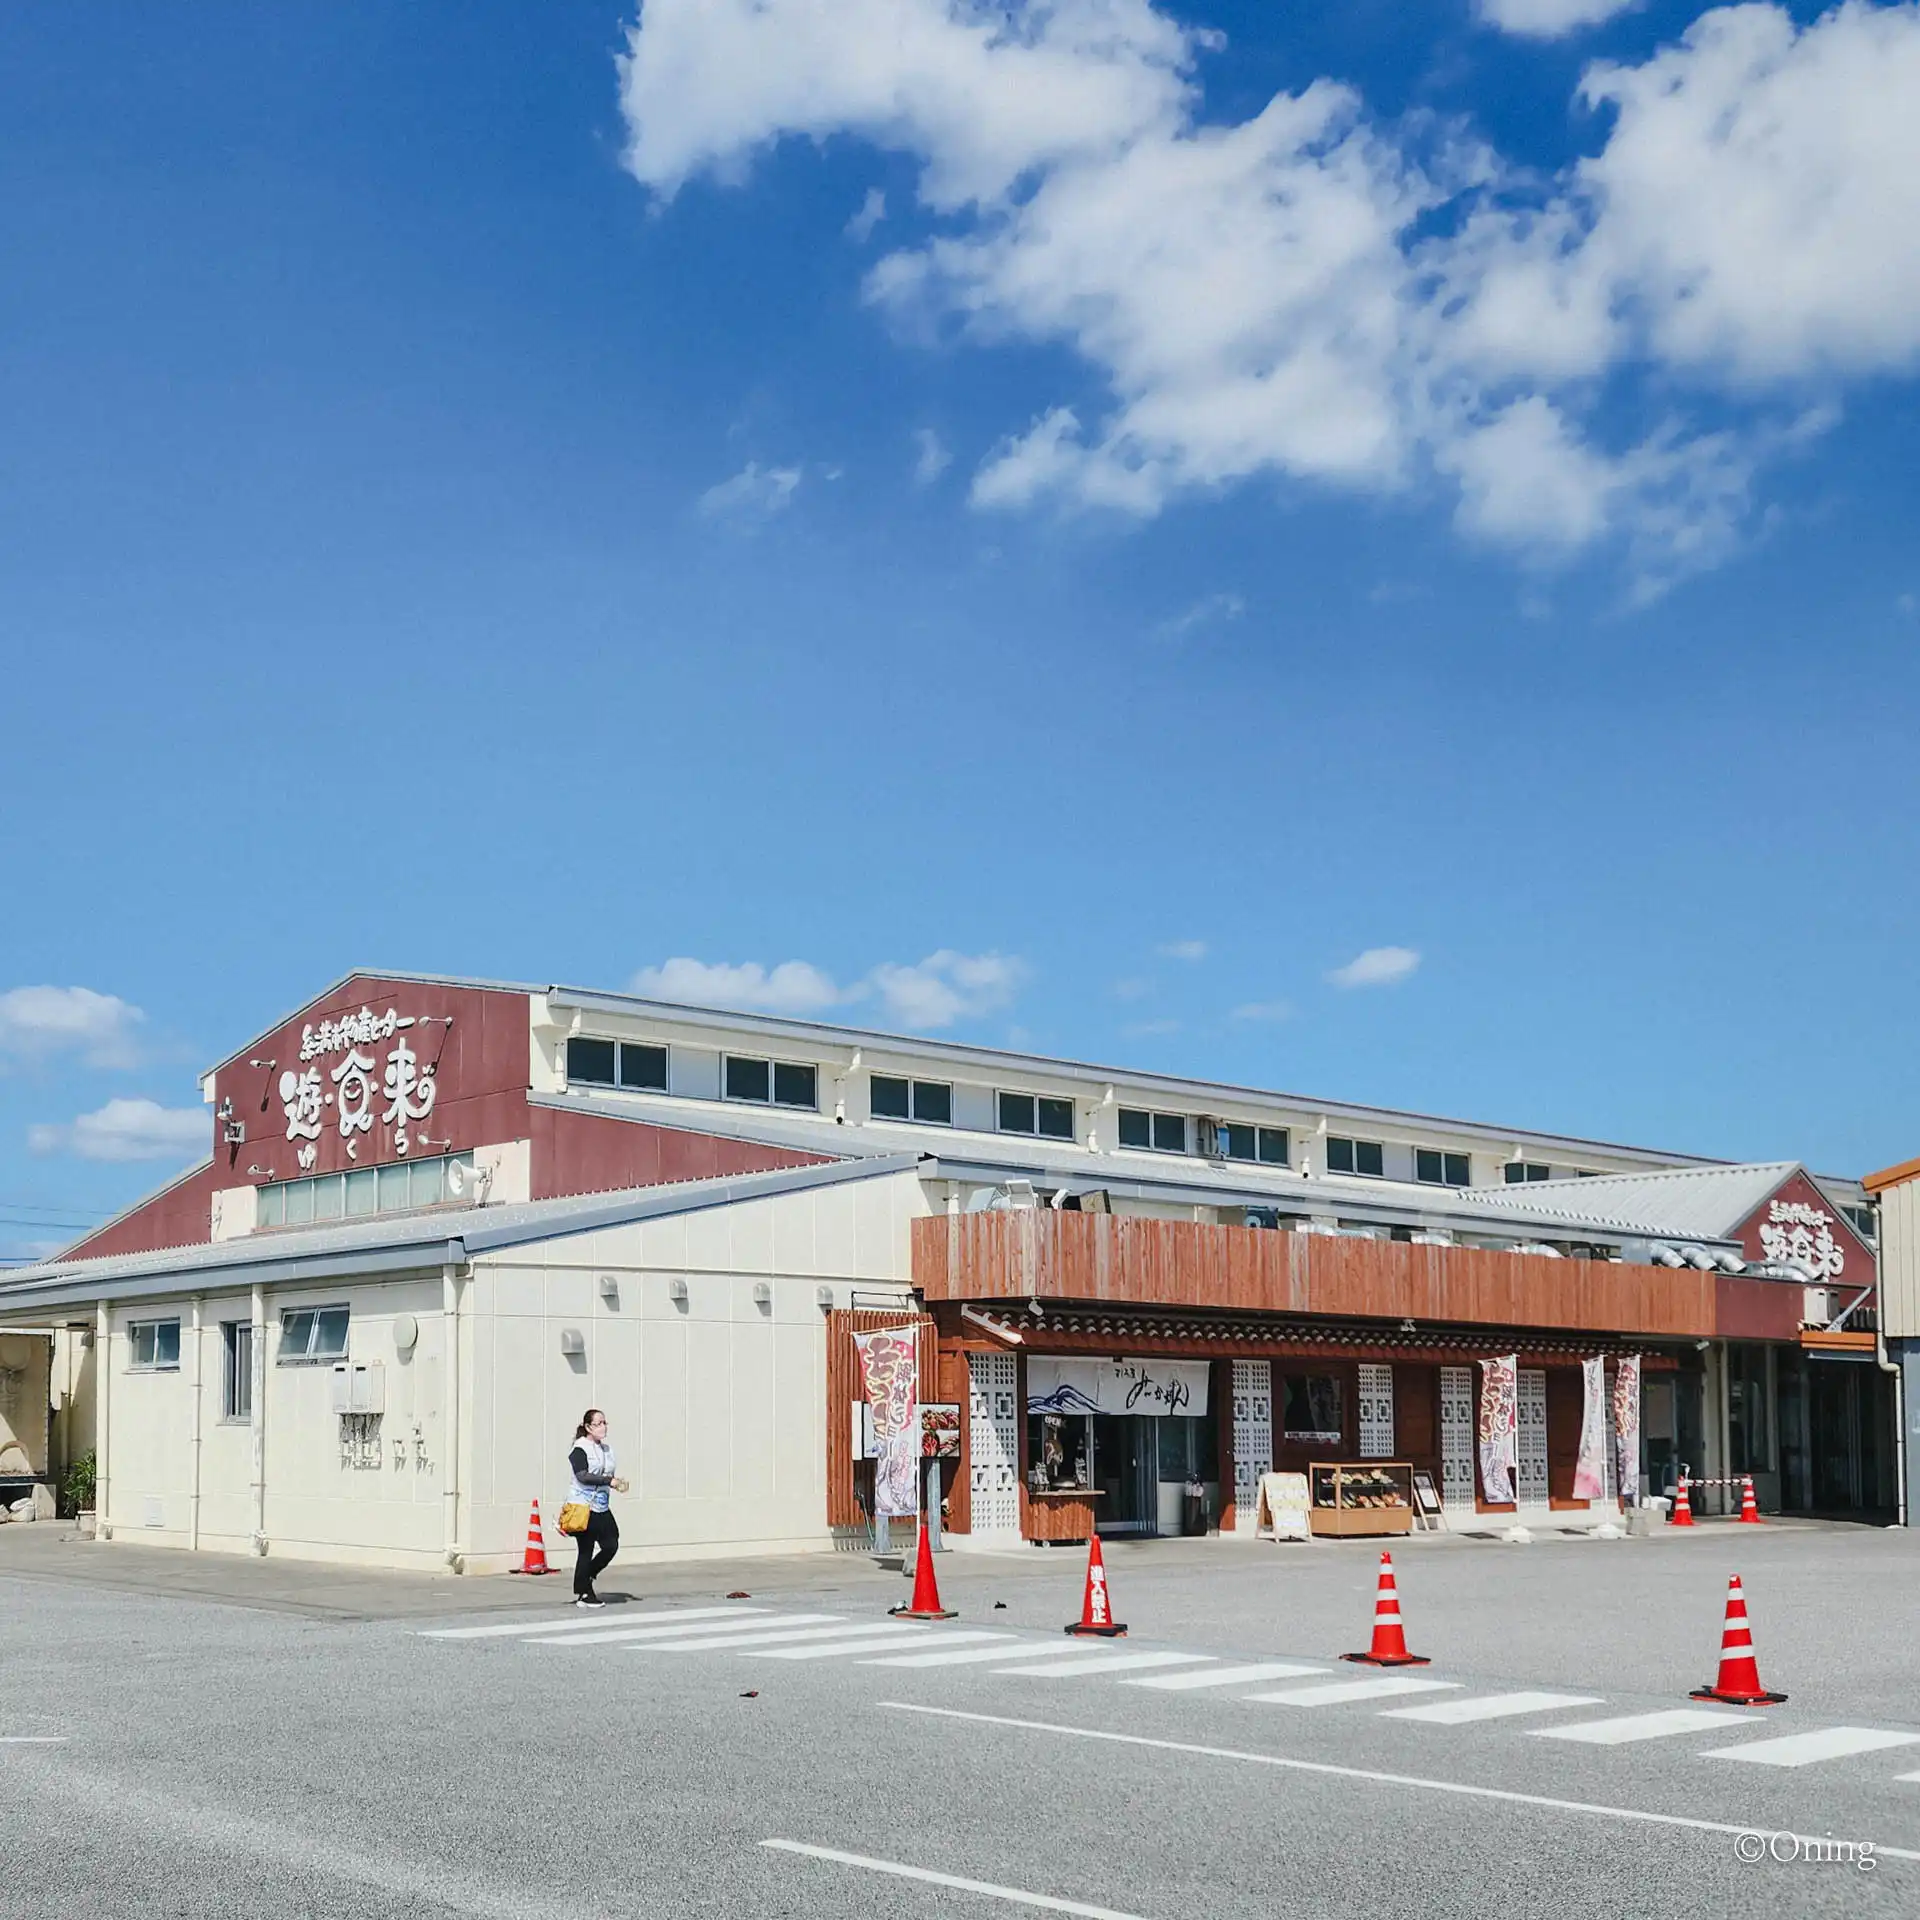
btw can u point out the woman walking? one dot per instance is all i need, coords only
(594, 1482)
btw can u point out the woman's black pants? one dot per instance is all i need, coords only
(595, 1548)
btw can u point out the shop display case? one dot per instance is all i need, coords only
(1361, 1497)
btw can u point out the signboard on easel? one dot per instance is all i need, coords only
(1427, 1509)
(1282, 1507)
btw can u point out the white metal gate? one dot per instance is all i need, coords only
(1532, 1468)
(1252, 1437)
(1457, 1429)
(1376, 1413)
(993, 1484)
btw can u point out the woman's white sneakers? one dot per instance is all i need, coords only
(589, 1600)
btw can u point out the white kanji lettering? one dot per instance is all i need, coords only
(354, 1079)
(409, 1093)
(300, 1096)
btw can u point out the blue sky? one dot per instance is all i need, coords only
(1072, 538)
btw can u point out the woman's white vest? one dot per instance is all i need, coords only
(599, 1460)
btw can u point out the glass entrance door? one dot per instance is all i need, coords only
(1126, 1468)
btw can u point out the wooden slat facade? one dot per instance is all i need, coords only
(943, 1377)
(1114, 1260)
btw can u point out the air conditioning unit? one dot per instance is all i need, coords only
(1210, 1137)
(360, 1387)
(1817, 1307)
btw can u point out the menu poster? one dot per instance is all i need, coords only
(1499, 1426)
(1590, 1470)
(890, 1369)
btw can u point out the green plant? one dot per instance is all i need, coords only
(76, 1490)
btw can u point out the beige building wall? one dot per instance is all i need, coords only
(1900, 1260)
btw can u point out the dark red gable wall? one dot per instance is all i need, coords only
(480, 1073)
(178, 1216)
(588, 1153)
(1860, 1268)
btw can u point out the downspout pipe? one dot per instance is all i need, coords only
(450, 1443)
(198, 1416)
(1887, 1364)
(102, 1419)
(257, 1314)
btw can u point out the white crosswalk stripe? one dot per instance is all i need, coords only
(976, 1656)
(733, 1642)
(1803, 1749)
(674, 1630)
(1340, 1693)
(1227, 1676)
(1072, 1665)
(1660, 1725)
(1490, 1706)
(877, 1641)
(574, 1623)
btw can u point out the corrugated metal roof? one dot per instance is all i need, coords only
(404, 1242)
(1692, 1203)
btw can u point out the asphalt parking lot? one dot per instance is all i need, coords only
(199, 1737)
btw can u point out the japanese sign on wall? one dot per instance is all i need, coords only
(355, 1068)
(889, 1370)
(1116, 1386)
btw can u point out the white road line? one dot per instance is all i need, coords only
(1340, 1693)
(575, 1624)
(1069, 1666)
(1642, 1726)
(877, 1643)
(1490, 1706)
(972, 1656)
(1227, 1676)
(714, 1630)
(723, 1642)
(1015, 1895)
(33, 1739)
(1803, 1749)
(1327, 1769)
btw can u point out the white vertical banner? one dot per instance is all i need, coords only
(1626, 1425)
(1590, 1470)
(890, 1371)
(1499, 1426)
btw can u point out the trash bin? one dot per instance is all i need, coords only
(1193, 1513)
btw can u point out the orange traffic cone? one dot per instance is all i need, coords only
(1096, 1607)
(926, 1590)
(1749, 1506)
(1739, 1681)
(1682, 1514)
(1389, 1647)
(535, 1560)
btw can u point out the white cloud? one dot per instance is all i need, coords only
(1316, 296)
(1150, 1029)
(1549, 19)
(127, 1130)
(947, 986)
(931, 458)
(1907, 604)
(944, 987)
(1134, 987)
(1377, 967)
(792, 987)
(873, 209)
(1264, 1010)
(1183, 950)
(35, 1021)
(1215, 608)
(754, 493)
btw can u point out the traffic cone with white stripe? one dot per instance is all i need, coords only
(1389, 1647)
(1739, 1681)
(535, 1560)
(1682, 1514)
(1096, 1605)
(925, 1604)
(1749, 1506)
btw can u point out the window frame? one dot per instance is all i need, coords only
(1156, 1120)
(1039, 1103)
(913, 1116)
(625, 1047)
(153, 1363)
(1261, 1136)
(577, 1040)
(236, 1373)
(773, 1069)
(1353, 1169)
(1447, 1163)
(1523, 1173)
(307, 1357)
